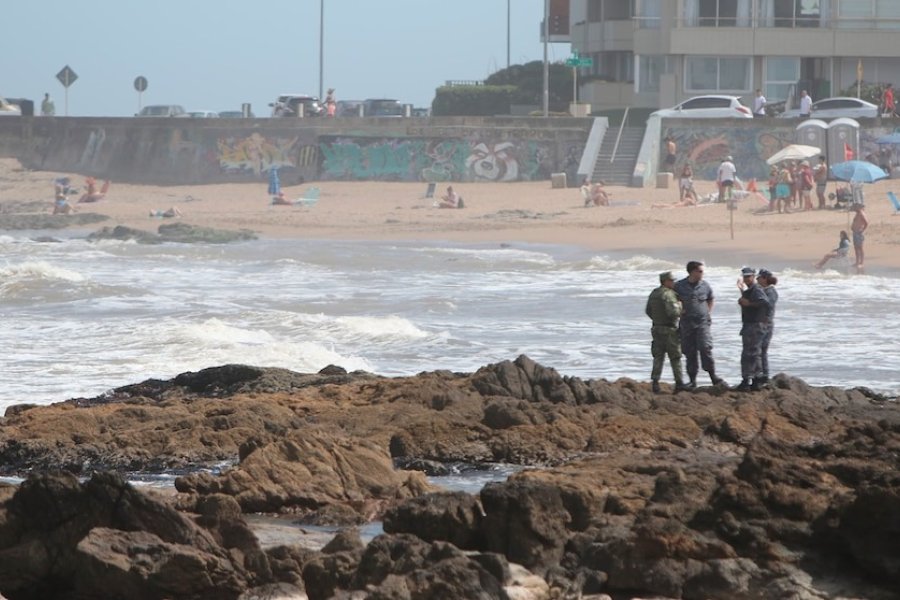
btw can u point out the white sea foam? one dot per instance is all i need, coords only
(141, 312)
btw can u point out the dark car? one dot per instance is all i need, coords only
(288, 105)
(382, 107)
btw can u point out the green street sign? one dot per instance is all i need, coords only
(580, 62)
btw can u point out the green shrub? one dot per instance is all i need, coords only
(472, 100)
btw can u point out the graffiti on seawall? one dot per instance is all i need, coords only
(434, 160)
(257, 154)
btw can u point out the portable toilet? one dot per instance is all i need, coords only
(813, 132)
(843, 140)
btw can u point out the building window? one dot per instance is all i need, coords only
(649, 13)
(650, 68)
(614, 66)
(868, 14)
(781, 74)
(714, 74)
(717, 13)
(609, 10)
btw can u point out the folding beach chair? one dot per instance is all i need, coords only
(429, 192)
(894, 202)
(309, 198)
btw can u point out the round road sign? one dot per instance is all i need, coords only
(140, 83)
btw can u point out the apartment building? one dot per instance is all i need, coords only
(656, 53)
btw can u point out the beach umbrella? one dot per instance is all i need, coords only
(891, 138)
(858, 171)
(274, 182)
(793, 152)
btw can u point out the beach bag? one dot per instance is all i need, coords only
(461, 204)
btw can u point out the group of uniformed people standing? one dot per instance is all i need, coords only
(680, 312)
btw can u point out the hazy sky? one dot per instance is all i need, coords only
(217, 54)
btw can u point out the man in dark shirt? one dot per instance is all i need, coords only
(697, 301)
(754, 323)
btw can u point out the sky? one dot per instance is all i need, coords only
(217, 54)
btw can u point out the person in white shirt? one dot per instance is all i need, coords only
(759, 105)
(805, 105)
(725, 177)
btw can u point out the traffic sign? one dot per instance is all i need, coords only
(66, 76)
(140, 83)
(577, 61)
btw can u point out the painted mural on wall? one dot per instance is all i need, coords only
(256, 154)
(435, 160)
(706, 148)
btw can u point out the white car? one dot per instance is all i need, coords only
(163, 110)
(203, 114)
(707, 107)
(9, 110)
(832, 108)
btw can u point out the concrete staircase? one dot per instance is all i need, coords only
(619, 171)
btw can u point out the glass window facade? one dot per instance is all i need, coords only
(715, 74)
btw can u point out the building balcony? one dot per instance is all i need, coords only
(604, 36)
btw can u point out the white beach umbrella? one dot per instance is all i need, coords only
(793, 152)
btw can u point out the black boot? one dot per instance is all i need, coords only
(717, 381)
(655, 387)
(744, 386)
(759, 383)
(680, 386)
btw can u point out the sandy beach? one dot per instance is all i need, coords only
(525, 212)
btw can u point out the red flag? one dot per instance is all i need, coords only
(848, 152)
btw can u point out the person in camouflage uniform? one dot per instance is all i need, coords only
(664, 308)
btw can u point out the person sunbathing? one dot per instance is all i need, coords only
(62, 205)
(280, 200)
(598, 195)
(841, 251)
(166, 214)
(92, 195)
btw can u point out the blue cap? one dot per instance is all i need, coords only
(748, 271)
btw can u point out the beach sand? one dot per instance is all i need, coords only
(501, 213)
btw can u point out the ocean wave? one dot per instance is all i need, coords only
(638, 262)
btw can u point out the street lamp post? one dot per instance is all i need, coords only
(546, 64)
(321, 47)
(507, 32)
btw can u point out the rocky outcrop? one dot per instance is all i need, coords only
(104, 539)
(324, 478)
(789, 492)
(173, 232)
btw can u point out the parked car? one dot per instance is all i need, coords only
(288, 105)
(9, 110)
(347, 108)
(382, 107)
(234, 114)
(162, 110)
(832, 108)
(203, 114)
(707, 107)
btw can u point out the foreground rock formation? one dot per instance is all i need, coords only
(793, 492)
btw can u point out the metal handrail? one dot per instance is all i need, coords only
(612, 158)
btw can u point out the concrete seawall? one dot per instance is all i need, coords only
(198, 151)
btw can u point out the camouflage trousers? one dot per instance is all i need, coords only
(752, 335)
(665, 342)
(764, 358)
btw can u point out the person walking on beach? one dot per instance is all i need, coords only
(754, 309)
(767, 281)
(887, 101)
(671, 149)
(664, 309)
(725, 178)
(858, 230)
(697, 301)
(820, 174)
